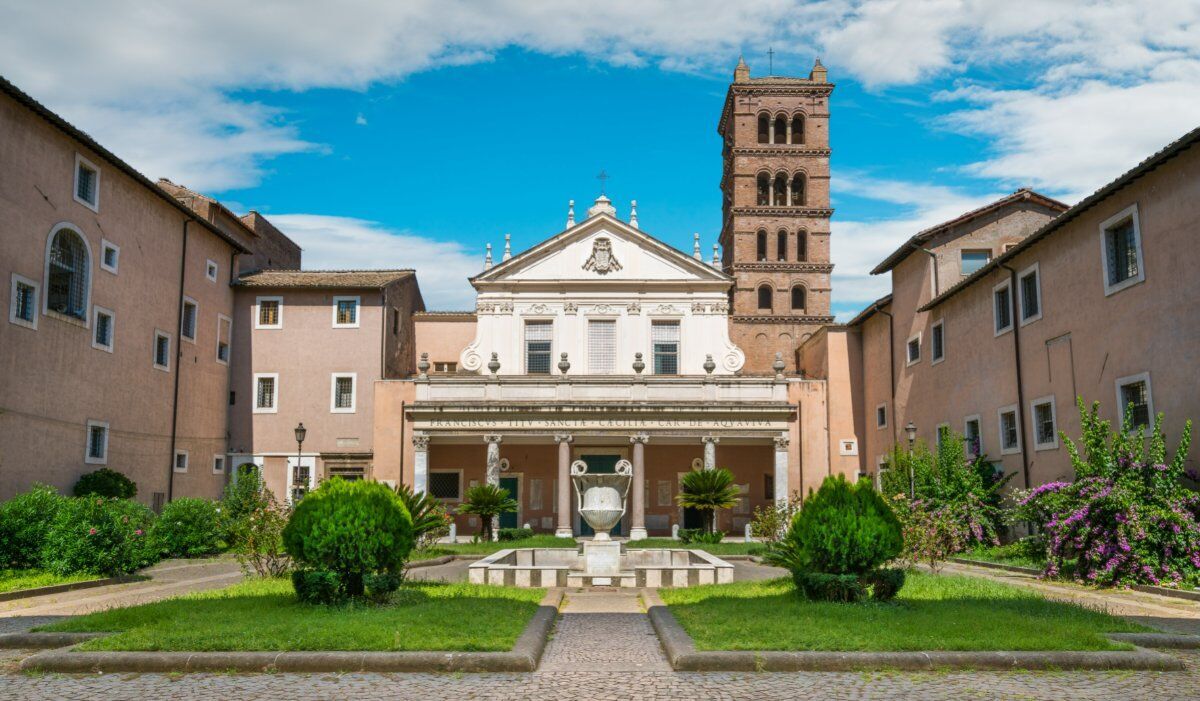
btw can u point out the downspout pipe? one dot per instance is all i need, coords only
(937, 286)
(1012, 303)
(178, 369)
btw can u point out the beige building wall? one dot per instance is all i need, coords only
(443, 335)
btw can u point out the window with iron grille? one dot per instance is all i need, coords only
(444, 485)
(218, 464)
(103, 331)
(914, 349)
(181, 461)
(937, 341)
(664, 336)
(162, 350)
(97, 445)
(1044, 430)
(343, 392)
(1135, 403)
(346, 311)
(268, 312)
(265, 397)
(538, 337)
(1031, 296)
(86, 181)
(24, 301)
(67, 282)
(1120, 249)
(881, 416)
(973, 438)
(188, 330)
(602, 347)
(1009, 440)
(110, 257)
(1002, 306)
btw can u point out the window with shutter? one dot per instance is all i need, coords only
(538, 337)
(602, 347)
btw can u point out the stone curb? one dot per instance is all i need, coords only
(444, 559)
(682, 654)
(524, 657)
(44, 641)
(1164, 640)
(1144, 588)
(72, 586)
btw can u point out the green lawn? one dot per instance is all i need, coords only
(717, 549)
(13, 580)
(932, 612)
(1004, 554)
(263, 614)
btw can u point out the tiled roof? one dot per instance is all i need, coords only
(323, 278)
(870, 310)
(441, 313)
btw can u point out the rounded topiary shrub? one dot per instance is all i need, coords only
(99, 535)
(353, 529)
(188, 528)
(106, 483)
(24, 521)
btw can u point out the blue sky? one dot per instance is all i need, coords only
(410, 134)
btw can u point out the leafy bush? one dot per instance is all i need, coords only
(486, 501)
(708, 491)
(318, 586)
(931, 534)
(689, 536)
(188, 528)
(256, 538)
(770, 522)
(351, 528)
(431, 521)
(514, 533)
(1127, 518)
(380, 585)
(106, 483)
(822, 586)
(885, 583)
(99, 535)
(24, 522)
(243, 496)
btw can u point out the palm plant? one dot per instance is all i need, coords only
(429, 517)
(707, 491)
(487, 501)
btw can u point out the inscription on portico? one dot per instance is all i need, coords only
(599, 423)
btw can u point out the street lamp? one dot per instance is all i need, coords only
(300, 476)
(911, 430)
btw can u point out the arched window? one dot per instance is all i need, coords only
(798, 190)
(781, 245)
(798, 129)
(780, 130)
(764, 297)
(764, 129)
(762, 246)
(764, 189)
(801, 246)
(67, 275)
(779, 198)
(799, 298)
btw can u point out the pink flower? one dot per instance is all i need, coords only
(91, 531)
(138, 532)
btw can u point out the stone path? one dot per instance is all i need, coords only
(603, 631)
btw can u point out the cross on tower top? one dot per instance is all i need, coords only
(770, 61)
(602, 177)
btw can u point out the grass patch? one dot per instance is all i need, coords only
(932, 612)
(15, 580)
(718, 549)
(263, 614)
(489, 547)
(1004, 555)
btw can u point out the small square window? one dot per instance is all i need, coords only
(218, 464)
(110, 256)
(102, 329)
(188, 327)
(162, 351)
(913, 349)
(1134, 402)
(97, 443)
(23, 307)
(181, 461)
(974, 260)
(268, 313)
(342, 397)
(1002, 307)
(937, 343)
(266, 393)
(210, 270)
(881, 416)
(1045, 425)
(87, 183)
(445, 367)
(445, 485)
(345, 312)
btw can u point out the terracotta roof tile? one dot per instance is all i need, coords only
(323, 278)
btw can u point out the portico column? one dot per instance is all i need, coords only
(420, 462)
(564, 529)
(710, 451)
(493, 473)
(637, 531)
(781, 469)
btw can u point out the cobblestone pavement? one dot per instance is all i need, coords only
(603, 631)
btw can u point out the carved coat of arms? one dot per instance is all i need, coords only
(602, 259)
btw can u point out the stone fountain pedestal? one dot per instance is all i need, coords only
(602, 557)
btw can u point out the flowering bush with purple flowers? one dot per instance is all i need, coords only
(1128, 517)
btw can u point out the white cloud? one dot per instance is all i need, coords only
(360, 120)
(346, 243)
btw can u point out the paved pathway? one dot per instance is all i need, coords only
(603, 631)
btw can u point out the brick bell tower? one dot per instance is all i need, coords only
(775, 224)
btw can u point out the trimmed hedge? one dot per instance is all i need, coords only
(99, 535)
(106, 482)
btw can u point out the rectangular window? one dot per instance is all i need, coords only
(110, 256)
(342, 400)
(181, 461)
(913, 350)
(210, 270)
(768, 485)
(345, 312)
(1121, 244)
(1134, 402)
(602, 347)
(1002, 307)
(881, 416)
(538, 337)
(972, 437)
(162, 351)
(266, 391)
(942, 433)
(218, 464)
(664, 338)
(445, 367)
(224, 338)
(102, 329)
(97, 443)
(1045, 427)
(87, 183)
(395, 322)
(1031, 294)
(187, 329)
(352, 473)
(445, 485)
(268, 313)
(974, 260)
(1010, 437)
(937, 343)
(23, 309)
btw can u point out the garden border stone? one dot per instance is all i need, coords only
(524, 656)
(70, 586)
(44, 641)
(682, 655)
(1144, 588)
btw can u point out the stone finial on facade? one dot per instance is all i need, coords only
(818, 73)
(570, 213)
(709, 365)
(423, 367)
(778, 365)
(563, 364)
(633, 214)
(494, 364)
(507, 247)
(741, 73)
(487, 259)
(716, 260)
(696, 247)
(638, 365)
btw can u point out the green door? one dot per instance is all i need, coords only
(509, 520)
(602, 464)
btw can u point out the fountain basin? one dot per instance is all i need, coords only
(564, 567)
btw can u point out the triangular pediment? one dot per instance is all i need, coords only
(601, 249)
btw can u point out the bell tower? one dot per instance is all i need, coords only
(775, 211)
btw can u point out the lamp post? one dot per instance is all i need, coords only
(300, 476)
(911, 430)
